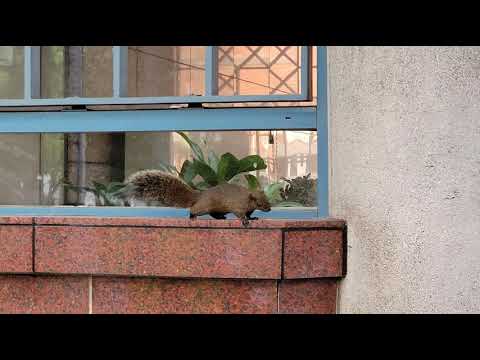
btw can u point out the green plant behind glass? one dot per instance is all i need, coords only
(214, 169)
(105, 195)
(301, 189)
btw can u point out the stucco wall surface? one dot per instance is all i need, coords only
(404, 127)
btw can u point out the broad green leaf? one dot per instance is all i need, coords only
(253, 183)
(251, 163)
(117, 189)
(213, 160)
(228, 167)
(188, 172)
(99, 186)
(197, 151)
(202, 185)
(206, 172)
(111, 200)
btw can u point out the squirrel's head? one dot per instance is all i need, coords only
(260, 200)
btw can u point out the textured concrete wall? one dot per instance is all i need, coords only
(405, 174)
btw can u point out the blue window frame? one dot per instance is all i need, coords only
(32, 71)
(204, 119)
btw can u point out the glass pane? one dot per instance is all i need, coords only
(259, 70)
(11, 72)
(83, 71)
(166, 70)
(86, 169)
(312, 102)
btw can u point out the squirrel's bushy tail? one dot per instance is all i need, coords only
(156, 185)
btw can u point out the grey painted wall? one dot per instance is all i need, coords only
(405, 174)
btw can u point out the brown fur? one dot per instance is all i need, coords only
(217, 201)
(168, 190)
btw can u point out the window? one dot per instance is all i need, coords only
(76, 117)
(11, 72)
(76, 71)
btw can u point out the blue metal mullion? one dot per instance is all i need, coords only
(27, 73)
(171, 120)
(149, 100)
(31, 74)
(120, 71)
(305, 74)
(105, 211)
(322, 133)
(120, 84)
(211, 70)
(158, 120)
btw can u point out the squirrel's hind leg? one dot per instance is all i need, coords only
(194, 213)
(245, 221)
(244, 217)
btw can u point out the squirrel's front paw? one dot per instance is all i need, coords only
(245, 221)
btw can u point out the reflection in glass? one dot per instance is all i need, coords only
(11, 72)
(258, 70)
(79, 71)
(166, 70)
(176, 71)
(242, 70)
(229, 84)
(83, 71)
(71, 169)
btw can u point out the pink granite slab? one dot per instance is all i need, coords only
(24, 294)
(313, 254)
(180, 296)
(316, 296)
(16, 220)
(16, 248)
(166, 252)
(182, 222)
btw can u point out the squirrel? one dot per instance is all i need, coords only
(217, 201)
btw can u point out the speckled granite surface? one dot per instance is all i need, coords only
(16, 220)
(177, 222)
(167, 296)
(170, 252)
(16, 249)
(313, 254)
(307, 296)
(24, 294)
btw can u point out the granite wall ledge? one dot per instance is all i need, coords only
(144, 265)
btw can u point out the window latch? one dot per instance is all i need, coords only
(76, 108)
(195, 105)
